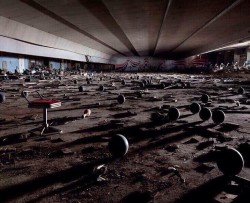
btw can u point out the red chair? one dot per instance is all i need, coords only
(44, 104)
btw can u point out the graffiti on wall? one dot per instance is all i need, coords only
(152, 64)
(132, 64)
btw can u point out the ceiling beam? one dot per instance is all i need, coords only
(49, 13)
(102, 13)
(209, 22)
(241, 39)
(162, 23)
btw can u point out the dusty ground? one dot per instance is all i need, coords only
(166, 162)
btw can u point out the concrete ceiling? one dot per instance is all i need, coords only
(160, 28)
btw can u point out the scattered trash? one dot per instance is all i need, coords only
(99, 171)
(185, 139)
(177, 173)
(86, 113)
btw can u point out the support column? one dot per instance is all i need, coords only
(248, 54)
(21, 65)
(45, 118)
(248, 58)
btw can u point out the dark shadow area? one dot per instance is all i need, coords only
(11, 192)
(5, 122)
(13, 139)
(244, 149)
(87, 140)
(211, 156)
(186, 116)
(207, 192)
(64, 120)
(99, 128)
(137, 196)
(165, 141)
(227, 127)
(124, 114)
(135, 134)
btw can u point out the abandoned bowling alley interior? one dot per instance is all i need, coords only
(125, 101)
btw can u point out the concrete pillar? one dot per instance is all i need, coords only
(248, 54)
(228, 57)
(21, 66)
(240, 55)
(62, 65)
(236, 56)
(4, 66)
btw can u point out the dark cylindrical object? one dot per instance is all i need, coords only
(142, 84)
(138, 82)
(2, 97)
(218, 116)
(81, 89)
(241, 90)
(205, 98)
(118, 145)
(173, 114)
(162, 86)
(24, 94)
(121, 99)
(157, 117)
(195, 108)
(205, 114)
(145, 82)
(230, 162)
(101, 88)
(157, 86)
